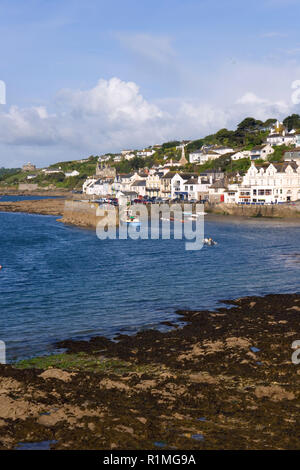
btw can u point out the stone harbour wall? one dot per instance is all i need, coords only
(84, 214)
(279, 211)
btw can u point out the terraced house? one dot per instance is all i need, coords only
(277, 183)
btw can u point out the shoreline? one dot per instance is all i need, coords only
(83, 214)
(37, 206)
(224, 380)
(38, 192)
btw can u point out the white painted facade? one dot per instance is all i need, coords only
(208, 153)
(129, 156)
(99, 188)
(88, 182)
(71, 173)
(200, 156)
(279, 182)
(240, 155)
(261, 152)
(145, 153)
(282, 139)
(188, 185)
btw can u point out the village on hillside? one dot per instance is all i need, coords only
(264, 182)
(259, 163)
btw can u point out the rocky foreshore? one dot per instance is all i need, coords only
(225, 380)
(38, 206)
(37, 192)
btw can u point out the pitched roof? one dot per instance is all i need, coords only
(211, 172)
(258, 147)
(281, 167)
(169, 175)
(186, 176)
(192, 181)
(218, 184)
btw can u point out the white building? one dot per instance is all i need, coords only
(123, 182)
(145, 153)
(100, 188)
(261, 152)
(179, 186)
(129, 156)
(104, 158)
(51, 171)
(231, 194)
(282, 139)
(279, 135)
(197, 189)
(222, 150)
(205, 154)
(240, 155)
(279, 182)
(88, 182)
(71, 173)
(139, 187)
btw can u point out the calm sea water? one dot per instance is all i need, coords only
(59, 281)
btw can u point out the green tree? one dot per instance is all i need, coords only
(292, 122)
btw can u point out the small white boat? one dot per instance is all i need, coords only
(130, 219)
(194, 216)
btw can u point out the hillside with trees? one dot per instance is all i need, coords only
(249, 133)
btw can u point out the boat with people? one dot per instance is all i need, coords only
(209, 242)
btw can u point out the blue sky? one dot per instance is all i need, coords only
(86, 77)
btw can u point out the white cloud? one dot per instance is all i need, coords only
(263, 107)
(250, 98)
(114, 115)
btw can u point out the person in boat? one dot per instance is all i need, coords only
(209, 241)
